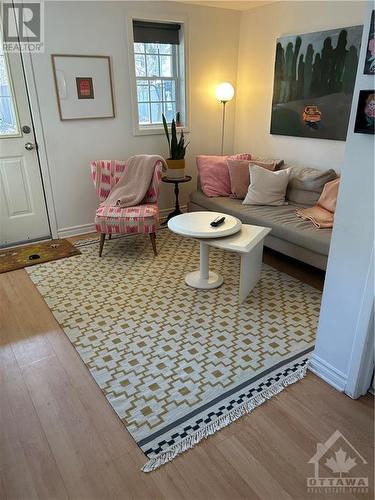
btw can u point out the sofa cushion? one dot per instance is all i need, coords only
(239, 174)
(214, 175)
(266, 188)
(306, 184)
(239, 178)
(302, 197)
(282, 220)
(275, 163)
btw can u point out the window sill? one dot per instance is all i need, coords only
(156, 131)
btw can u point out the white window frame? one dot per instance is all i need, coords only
(181, 91)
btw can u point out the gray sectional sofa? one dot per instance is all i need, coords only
(290, 235)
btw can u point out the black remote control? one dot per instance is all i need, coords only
(219, 220)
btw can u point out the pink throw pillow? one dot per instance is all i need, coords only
(239, 177)
(240, 156)
(239, 174)
(214, 175)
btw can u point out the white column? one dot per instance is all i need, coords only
(204, 262)
(204, 278)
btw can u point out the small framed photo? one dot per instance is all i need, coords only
(365, 119)
(83, 86)
(370, 54)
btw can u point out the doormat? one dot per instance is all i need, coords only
(37, 253)
(176, 363)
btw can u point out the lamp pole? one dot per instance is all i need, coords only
(224, 94)
(223, 128)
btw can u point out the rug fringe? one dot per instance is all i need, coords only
(223, 421)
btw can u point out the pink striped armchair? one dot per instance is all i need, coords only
(143, 218)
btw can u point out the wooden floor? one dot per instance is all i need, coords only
(59, 438)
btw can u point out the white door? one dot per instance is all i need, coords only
(23, 213)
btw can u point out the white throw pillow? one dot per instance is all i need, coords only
(267, 188)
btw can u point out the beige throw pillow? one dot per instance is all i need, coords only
(267, 188)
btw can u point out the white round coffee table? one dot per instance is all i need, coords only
(197, 225)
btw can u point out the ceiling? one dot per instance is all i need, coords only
(229, 4)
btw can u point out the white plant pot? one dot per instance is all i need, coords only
(175, 173)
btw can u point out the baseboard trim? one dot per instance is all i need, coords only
(66, 232)
(327, 372)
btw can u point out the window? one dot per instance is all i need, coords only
(158, 73)
(8, 120)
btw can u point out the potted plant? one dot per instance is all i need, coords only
(177, 148)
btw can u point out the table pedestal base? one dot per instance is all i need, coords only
(204, 278)
(195, 280)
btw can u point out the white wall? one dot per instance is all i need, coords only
(100, 28)
(260, 27)
(349, 287)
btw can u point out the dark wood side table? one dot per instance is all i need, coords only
(176, 182)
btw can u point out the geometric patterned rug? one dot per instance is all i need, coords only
(177, 363)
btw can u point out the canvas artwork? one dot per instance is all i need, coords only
(313, 83)
(365, 118)
(370, 54)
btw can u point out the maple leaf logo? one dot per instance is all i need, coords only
(341, 464)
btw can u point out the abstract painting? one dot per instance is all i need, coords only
(365, 119)
(370, 54)
(313, 83)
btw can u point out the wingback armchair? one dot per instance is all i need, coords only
(143, 218)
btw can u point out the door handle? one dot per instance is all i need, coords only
(29, 146)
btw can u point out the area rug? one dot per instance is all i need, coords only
(176, 363)
(36, 253)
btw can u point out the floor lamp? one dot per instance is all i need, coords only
(224, 94)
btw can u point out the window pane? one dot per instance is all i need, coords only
(166, 67)
(156, 112)
(144, 113)
(169, 90)
(165, 48)
(8, 122)
(152, 65)
(4, 87)
(170, 111)
(151, 48)
(156, 82)
(142, 91)
(139, 47)
(140, 65)
(155, 90)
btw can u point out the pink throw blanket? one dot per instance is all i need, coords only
(323, 213)
(134, 182)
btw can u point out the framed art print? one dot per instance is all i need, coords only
(370, 53)
(83, 86)
(365, 119)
